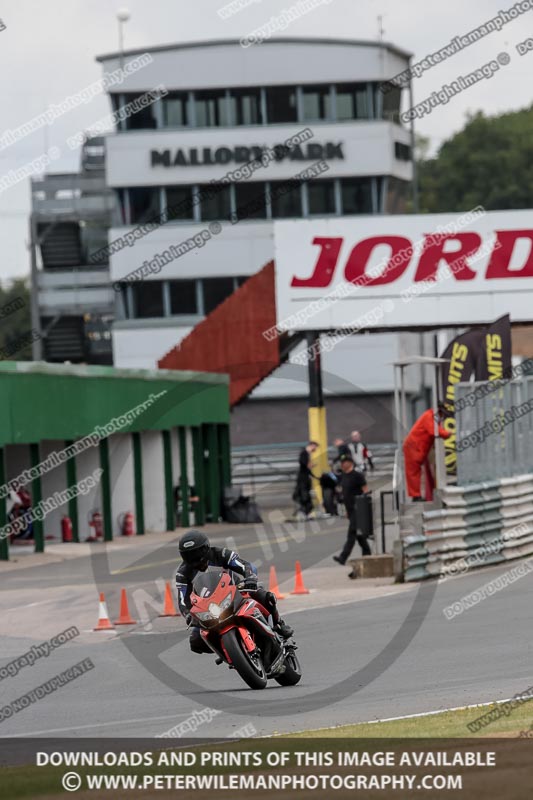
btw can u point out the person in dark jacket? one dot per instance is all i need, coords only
(342, 448)
(353, 484)
(197, 554)
(302, 492)
(329, 482)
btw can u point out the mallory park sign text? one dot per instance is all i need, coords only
(207, 156)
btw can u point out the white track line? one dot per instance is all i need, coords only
(408, 716)
(441, 711)
(30, 605)
(100, 725)
(295, 733)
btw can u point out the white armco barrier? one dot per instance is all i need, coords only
(480, 524)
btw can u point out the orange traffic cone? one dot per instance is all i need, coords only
(273, 584)
(299, 586)
(124, 618)
(169, 609)
(104, 623)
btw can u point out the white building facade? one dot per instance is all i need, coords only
(221, 106)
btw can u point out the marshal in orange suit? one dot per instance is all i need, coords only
(416, 447)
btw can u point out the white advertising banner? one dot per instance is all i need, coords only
(430, 270)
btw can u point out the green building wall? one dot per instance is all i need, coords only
(188, 410)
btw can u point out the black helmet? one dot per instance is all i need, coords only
(194, 548)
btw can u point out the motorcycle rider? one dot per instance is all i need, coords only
(198, 554)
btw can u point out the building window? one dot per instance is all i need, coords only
(356, 195)
(142, 119)
(93, 237)
(123, 309)
(121, 207)
(144, 203)
(352, 101)
(321, 196)
(175, 114)
(380, 194)
(286, 199)
(179, 202)
(397, 196)
(281, 104)
(183, 297)
(391, 104)
(215, 292)
(246, 106)
(115, 100)
(215, 201)
(316, 102)
(402, 151)
(148, 299)
(250, 200)
(211, 109)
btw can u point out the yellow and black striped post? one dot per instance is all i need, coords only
(317, 411)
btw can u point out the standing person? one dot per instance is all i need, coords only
(19, 511)
(353, 484)
(342, 448)
(361, 455)
(329, 482)
(302, 492)
(416, 447)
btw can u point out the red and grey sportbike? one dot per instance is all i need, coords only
(235, 627)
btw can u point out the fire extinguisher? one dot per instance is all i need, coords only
(125, 522)
(66, 529)
(96, 522)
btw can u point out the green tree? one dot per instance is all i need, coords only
(488, 163)
(15, 321)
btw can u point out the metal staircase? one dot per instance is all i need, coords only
(60, 244)
(64, 339)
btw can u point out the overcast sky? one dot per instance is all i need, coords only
(48, 49)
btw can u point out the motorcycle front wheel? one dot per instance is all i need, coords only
(249, 667)
(292, 673)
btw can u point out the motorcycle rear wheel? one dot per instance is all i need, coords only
(251, 673)
(292, 673)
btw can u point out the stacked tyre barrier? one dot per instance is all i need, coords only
(479, 524)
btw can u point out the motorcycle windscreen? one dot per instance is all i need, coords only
(205, 583)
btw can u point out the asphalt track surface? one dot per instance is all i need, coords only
(372, 659)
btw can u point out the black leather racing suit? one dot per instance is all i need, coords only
(218, 557)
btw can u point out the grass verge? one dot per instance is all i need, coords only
(452, 724)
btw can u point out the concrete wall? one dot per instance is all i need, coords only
(86, 463)
(153, 481)
(175, 450)
(136, 347)
(190, 466)
(285, 420)
(53, 481)
(17, 459)
(122, 480)
(190, 455)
